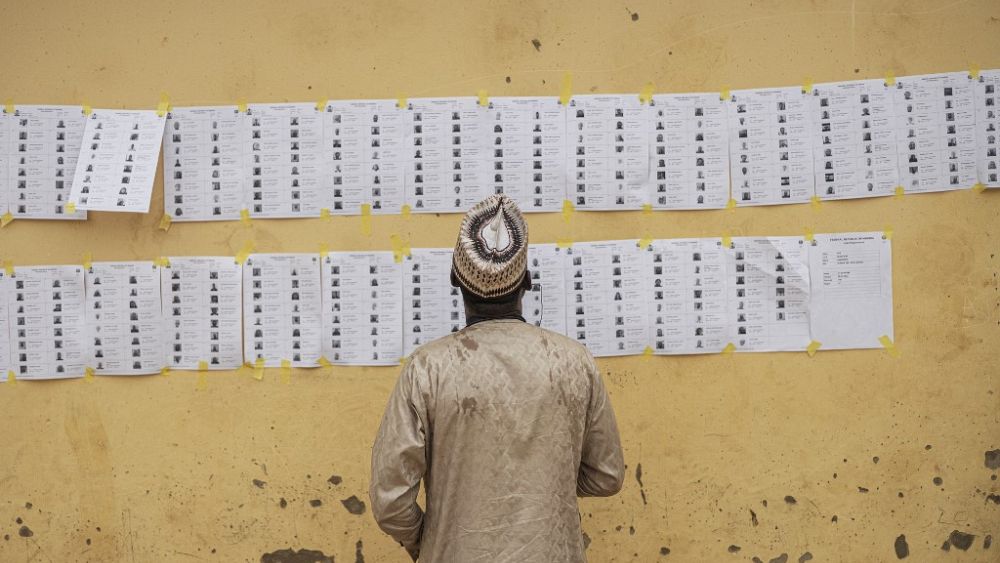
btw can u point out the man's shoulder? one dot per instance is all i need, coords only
(546, 338)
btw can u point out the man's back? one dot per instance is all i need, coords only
(507, 423)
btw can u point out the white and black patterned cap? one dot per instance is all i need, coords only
(491, 254)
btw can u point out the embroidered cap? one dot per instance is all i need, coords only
(491, 254)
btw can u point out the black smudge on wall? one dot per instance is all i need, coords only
(292, 556)
(354, 505)
(961, 540)
(901, 547)
(992, 460)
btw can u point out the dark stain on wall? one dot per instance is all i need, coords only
(359, 555)
(805, 557)
(335, 480)
(901, 547)
(961, 540)
(638, 479)
(354, 505)
(292, 556)
(992, 459)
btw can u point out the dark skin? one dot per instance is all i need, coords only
(509, 306)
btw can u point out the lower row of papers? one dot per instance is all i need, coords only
(667, 296)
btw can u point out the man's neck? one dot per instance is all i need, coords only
(478, 311)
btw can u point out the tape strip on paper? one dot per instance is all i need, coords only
(5, 219)
(889, 345)
(566, 89)
(165, 222)
(245, 252)
(163, 106)
(813, 347)
(400, 247)
(646, 95)
(258, 369)
(729, 349)
(366, 219)
(8, 267)
(567, 209)
(286, 372)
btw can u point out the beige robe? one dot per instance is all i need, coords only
(506, 424)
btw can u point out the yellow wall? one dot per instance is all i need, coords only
(152, 469)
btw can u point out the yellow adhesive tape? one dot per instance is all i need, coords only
(71, 208)
(648, 352)
(88, 375)
(86, 109)
(645, 242)
(8, 107)
(484, 98)
(566, 88)
(731, 204)
(162, 262)
(245, 217)
(241, 105)
(324, 214)
(807, 85)
(403, 360)
(8, 266)
(401, 101)
(727, 240)
(11, 377)
(889, 345)
(202, 381)
(165, 222)
(245, 251)
(258, 369)
(164, 105)
(815, 200)
(203, 366)
(165, 371)
(974, 72)
(366, 219)
(809, 235)
(813, 347)
(567, 209)
(405, 210)
(647, 208)
(88, 259)
(286, 372)
(979, 188)
(729, 348)
(324, 250)
(323, 362)
(890, 79)
(724, 95)
(5, 219)
(564, 243)
(646, 95)
(887, 233)
(900, 191)
(400, 247)
(321, 104)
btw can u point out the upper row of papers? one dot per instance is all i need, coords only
(671, 296)
(599, 152)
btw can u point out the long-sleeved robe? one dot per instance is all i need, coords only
(506, 424)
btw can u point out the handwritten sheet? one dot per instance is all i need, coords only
(851, 290)
(118, 161)
(124, 317)
(202, 312)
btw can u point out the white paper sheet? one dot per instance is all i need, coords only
(202, 312)
(608, 307)
(48, 327)
(118, 158)
(608, 152)
(527, 151)
(851, 290)
(44, 146)
(432, 308)
(285, 160)
(854, 139)
(124, 318)
(365, 146)
(686, 284)
(362, 308)
(935, 132)
(282, 309)
(771, 159)
(203, 164)
(690, 144)
(545, 304)
(987, 96)
(447, 160)
(6, 360)
(768, 294)
(6, 128)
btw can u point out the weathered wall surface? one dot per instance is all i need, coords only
(741, 457)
